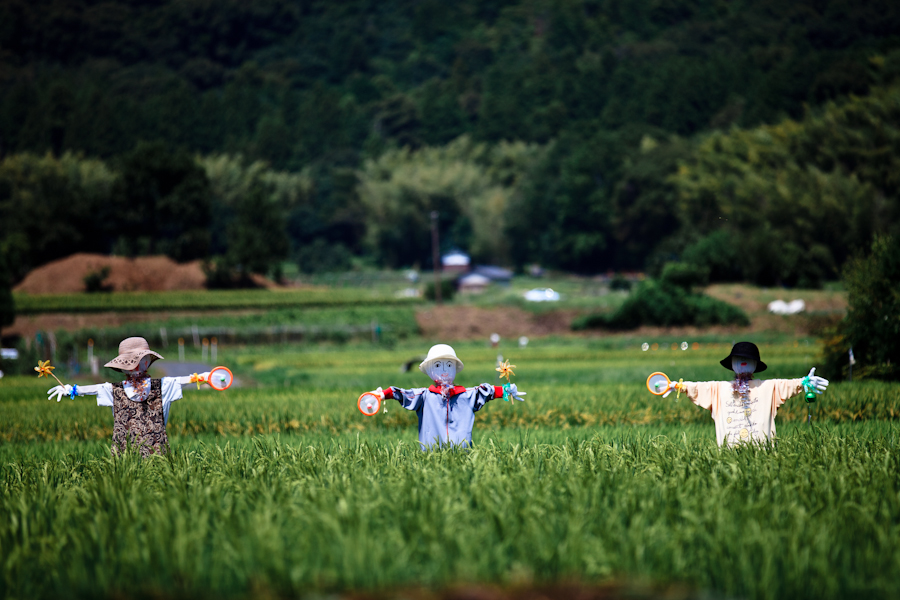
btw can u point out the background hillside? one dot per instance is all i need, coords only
(583, 135)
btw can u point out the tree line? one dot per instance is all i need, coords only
(785, 204)
(751, 138)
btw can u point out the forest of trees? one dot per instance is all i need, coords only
(757, 139)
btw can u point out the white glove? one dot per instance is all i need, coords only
(515, 393)
(378, 393)
(819, 383)
(672, 386)
(59, 391)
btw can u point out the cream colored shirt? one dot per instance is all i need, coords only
(735, 422)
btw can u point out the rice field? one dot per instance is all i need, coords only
(281, 488)
(204, 300)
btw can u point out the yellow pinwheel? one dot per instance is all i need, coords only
(45, 370)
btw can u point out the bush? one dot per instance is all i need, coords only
(684, 275)
(872, 325)
(662, 304)
(448, 290)
(95, 280)
(222, 274)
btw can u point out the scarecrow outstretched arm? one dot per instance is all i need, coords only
(186, 379)
(74, 390)
(701, 393)
(410, 399)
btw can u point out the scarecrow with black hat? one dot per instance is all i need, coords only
(140, 405)
(446, 412)
(744, 408)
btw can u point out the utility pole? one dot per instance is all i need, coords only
(436, 256)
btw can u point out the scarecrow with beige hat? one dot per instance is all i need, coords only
(140, 404)
(446, 412)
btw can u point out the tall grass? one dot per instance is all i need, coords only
(818, 517)
(284, 488)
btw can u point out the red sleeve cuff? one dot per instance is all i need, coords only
(388, 392)
(498, 391)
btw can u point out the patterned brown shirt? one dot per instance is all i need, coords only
(139, 425)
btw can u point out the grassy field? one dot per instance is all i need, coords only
(202, 300)
(282, 488)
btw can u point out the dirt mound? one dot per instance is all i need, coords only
(144, 274)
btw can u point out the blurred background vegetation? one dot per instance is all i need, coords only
(752, 140)
(758, 139)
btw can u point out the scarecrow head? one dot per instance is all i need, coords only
(744, 359)
(135, 357)
(441, 364)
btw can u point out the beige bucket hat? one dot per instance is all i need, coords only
(441, 351)
(131, 351)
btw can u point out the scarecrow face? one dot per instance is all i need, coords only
(442, 370)
(742, 364)
(141, 366)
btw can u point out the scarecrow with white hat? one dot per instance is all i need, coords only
(744, 408)
(446, 412)
(140, 405)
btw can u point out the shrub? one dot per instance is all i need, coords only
(666, 305)
(222, 274)
(684, 275)
(95, 280)
(448, 289)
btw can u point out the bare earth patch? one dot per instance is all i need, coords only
(472, 322)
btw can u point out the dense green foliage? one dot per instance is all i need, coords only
(295, 82)
(872, 325)
(595, 90)
(797, 198)
(287, 489)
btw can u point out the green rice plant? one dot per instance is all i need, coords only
(282, 488)
(280, 325)
(817, 518)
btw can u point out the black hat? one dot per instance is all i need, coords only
(744, 350)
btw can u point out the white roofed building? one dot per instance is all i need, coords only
(455, 261)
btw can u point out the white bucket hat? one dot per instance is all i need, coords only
(440, 351)
(131, 351)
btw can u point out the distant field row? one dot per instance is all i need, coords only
(313, 390)
(202, 300)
